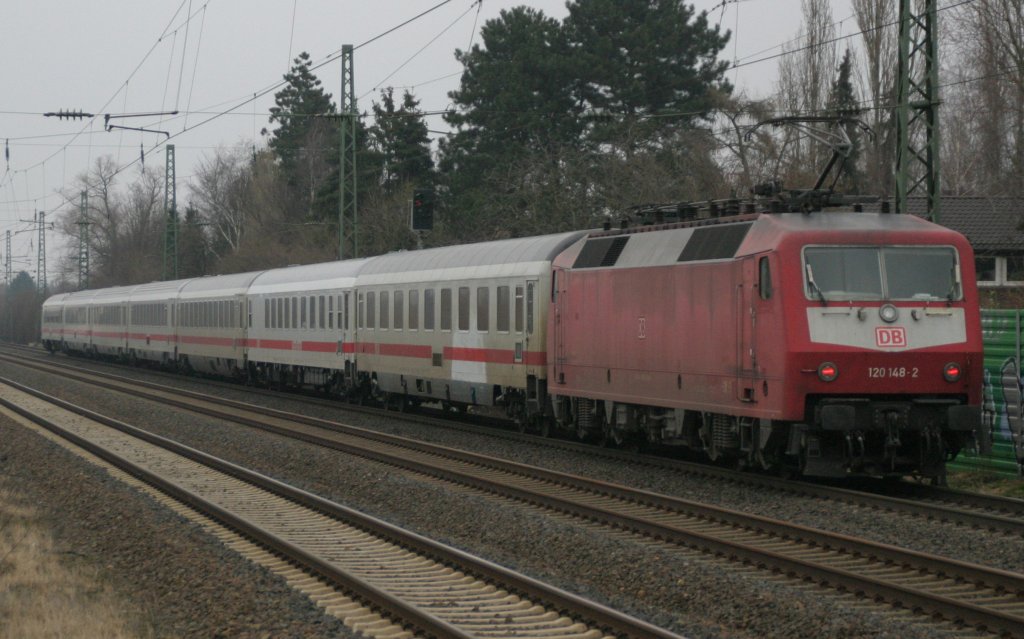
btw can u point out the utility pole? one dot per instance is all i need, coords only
(83, 243)
(171, 213)
(347, 212)
(7, 261)
(917, 107)
(41, 259)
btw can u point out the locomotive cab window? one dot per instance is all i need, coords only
(844, 273)
(764, 279)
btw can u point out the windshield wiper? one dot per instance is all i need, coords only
(954, 285)
(814, 286)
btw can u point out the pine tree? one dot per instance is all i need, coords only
(399, 137)
(304, 138)
(843, 102)
(641, 58)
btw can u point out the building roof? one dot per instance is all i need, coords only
(991, 224)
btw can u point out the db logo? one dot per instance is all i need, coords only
(891, 336)
(641, 331)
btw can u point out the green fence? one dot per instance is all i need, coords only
(1002, 409)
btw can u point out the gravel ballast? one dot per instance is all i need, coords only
(179, 579)
(677, 589)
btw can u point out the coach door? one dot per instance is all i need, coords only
(746, 323)
(525, 319)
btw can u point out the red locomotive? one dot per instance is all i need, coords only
(828, 343)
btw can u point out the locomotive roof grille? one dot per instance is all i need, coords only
(601, 251)
(714, 242)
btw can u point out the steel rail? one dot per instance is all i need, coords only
(603, 617)
(1001, 514)
(894, 593)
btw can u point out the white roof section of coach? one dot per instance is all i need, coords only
(158, 291)
(309, 277)
(55, 300)
(112, 295)
(218, 285)
(528, 256)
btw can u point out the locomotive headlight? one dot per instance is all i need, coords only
(952, 372)
(888, 313)
(827, 372)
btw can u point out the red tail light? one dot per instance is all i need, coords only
(827, 372)
(952, 372)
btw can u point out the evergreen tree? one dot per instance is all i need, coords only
(399, 137)
(516, 109)
(304, 138)
(193, 246)
(23, 309)
(843, 102)
(643, 58)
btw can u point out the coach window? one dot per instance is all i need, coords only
(519, 309)
(295, 312)
(347, 313)
(330, 310)
(302, 312)
(446, 309)
(502, 323)
(529, 308)
(464, 308)
(414, 310)
(428, 309)
(483, 309)
(764, 284)
(371, 310)
(286, 313)
(384, 312)
(399, 309)
(312, 312)
(320, 314)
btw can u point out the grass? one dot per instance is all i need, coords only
(42, 595)
(987, 483)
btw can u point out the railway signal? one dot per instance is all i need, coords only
(422, 209)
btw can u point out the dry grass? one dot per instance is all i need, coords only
(42, 596)
(987, 483)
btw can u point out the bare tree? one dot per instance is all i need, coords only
(748, 159)
(221, 193)
(806, 73)
(877, 80)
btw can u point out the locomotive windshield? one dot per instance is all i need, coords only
(840, 273)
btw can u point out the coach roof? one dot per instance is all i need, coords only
(519, 250)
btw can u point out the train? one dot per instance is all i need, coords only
(824, 343)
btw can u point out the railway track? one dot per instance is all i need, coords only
(405, 584)
(973, 510)
(965, 595)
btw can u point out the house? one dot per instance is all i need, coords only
(995, 228)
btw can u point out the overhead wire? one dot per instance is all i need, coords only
(334, 55)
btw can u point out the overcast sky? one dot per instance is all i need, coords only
(132, 56)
